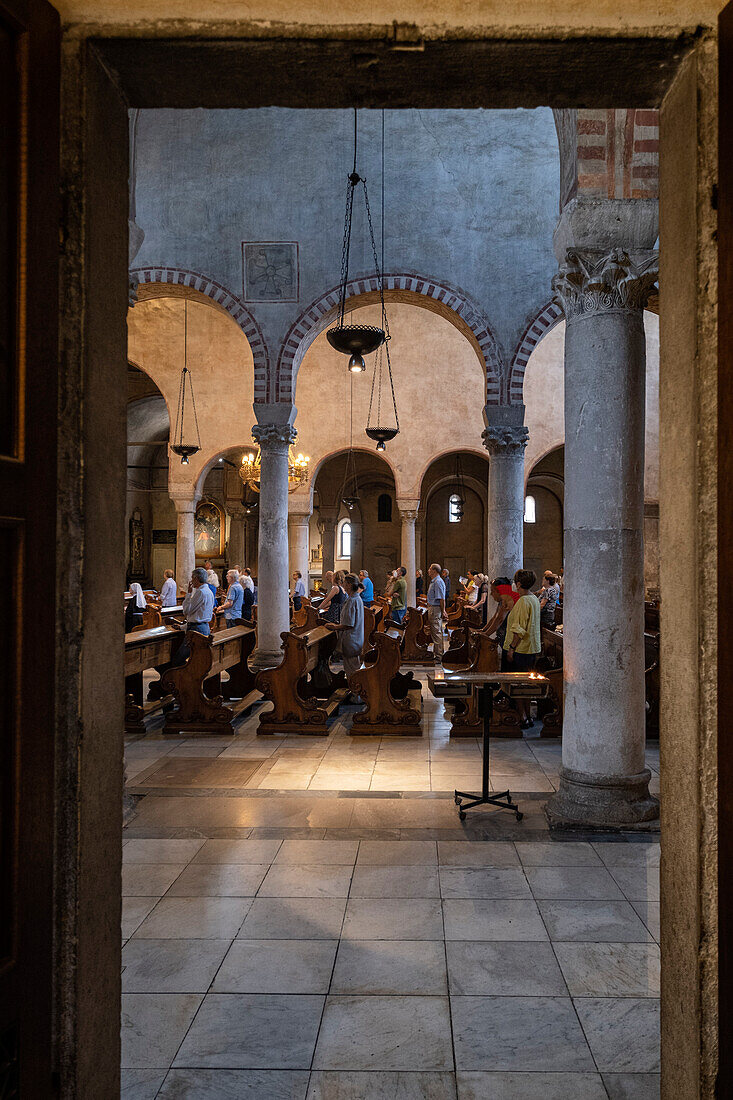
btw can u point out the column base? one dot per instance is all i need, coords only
(262, 658)
(602, 802)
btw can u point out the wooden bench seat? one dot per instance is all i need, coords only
(303, 689)
(385, 713)
(193, 682)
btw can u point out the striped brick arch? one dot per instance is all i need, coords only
(228, 301)
(545, 320)
(318, 316)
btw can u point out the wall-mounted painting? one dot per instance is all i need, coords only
(209, 530)
(270, 271)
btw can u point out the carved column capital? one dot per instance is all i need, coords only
(595, 282)
(299, 519)
(236, 512)
(274, 436)
(184, 500)
(505, 439)
(409, 515)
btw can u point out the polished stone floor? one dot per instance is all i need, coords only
(308, 918)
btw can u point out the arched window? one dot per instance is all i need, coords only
(345, 539)
(384, 508)
(530, 510)
(455, 508)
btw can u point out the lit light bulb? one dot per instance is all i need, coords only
(357, 364)
(251, 458)
(184, 460)
(381, 446)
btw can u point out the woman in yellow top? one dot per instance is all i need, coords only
(522, 644)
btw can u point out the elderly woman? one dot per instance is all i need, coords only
(351, 624)
(135, 608)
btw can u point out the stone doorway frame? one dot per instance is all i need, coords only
(103, 75)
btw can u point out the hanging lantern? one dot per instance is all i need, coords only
(356, 341)
(180, 446)
(382, 424)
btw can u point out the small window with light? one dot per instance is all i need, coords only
(345, 540)
(530, 510)
(455, 508)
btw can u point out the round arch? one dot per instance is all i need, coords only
(449, 302)
(181, 281)
(479, 452)
(549, 316)
(318, 466)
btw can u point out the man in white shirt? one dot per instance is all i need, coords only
(198, 603)
(245, 579)
(169, 591)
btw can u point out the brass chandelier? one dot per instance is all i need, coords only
(250, 469)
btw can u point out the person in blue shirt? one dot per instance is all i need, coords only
(436, 609)
(367, 592)
(298, 590)
(232, 606)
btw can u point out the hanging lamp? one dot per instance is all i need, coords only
(457, 508)
(356, 341)
(180, 446)
(383, 423)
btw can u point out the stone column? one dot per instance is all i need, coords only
(327, 520)
(506, 443)
(408, 515)
(603, 779)
(298, 536)
(185, 535)
(273, 614)
(420, 544)
(235, 547)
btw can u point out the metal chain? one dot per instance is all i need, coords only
(385, 322)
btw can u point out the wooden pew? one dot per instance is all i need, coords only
(227, 650)
(305, 619)
(466, 721)
(414, 647)
(385, 713)
(144, 649)
(305, 693)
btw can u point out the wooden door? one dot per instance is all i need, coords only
(725, 555)
(29, 235)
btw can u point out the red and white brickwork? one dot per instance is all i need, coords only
(618, 154)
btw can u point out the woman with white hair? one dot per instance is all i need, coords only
(135, 607)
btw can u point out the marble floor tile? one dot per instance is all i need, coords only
(504, 969)
(649, 913)
(238, 851)
(294, 919)
(332, 1085)
(487, 853)
(632, 1086)
(549, 853)
(484, 882)
(418, 881)
(488, 919)
(390, 967)
(530, 1086)
(629, 855)
(521, 784)
(285, 781)
(610, 969)
(140, 1084)
(572, 884)
(385, 1033)
(397, 852)
(282, 812)
(160, 851)
(277, 966)
(231, 880)
(280, 1031)
(593, 921)
(171, 966)
(638, 883)
(312, 852)
(234, 1084)
(194, 918)
(153, 1025)
(304, 881)
(393, 919)
(622, 1032)
(134, 912)
(519, 1033)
